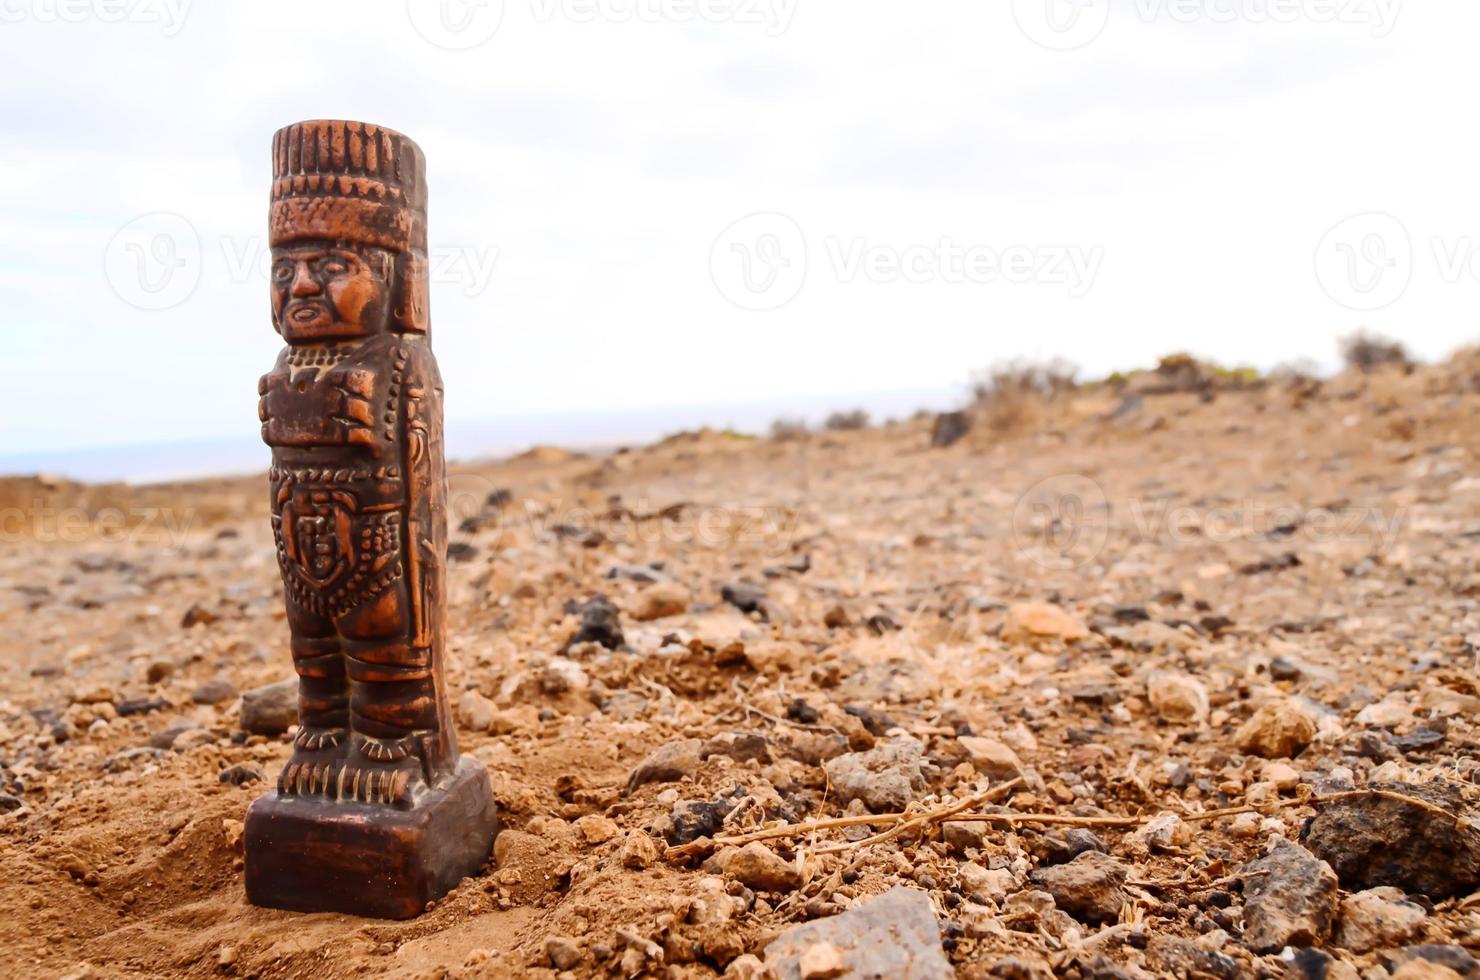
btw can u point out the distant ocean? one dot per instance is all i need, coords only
(482, 438)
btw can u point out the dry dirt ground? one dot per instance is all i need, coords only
(1147, 601)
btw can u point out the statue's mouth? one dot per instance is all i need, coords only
(306, 314)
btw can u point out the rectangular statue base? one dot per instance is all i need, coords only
(375, 861)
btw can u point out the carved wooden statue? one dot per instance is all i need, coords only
(374, 813)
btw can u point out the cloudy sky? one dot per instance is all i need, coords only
(647, 203)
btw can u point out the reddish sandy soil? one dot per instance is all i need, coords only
(1190, 541)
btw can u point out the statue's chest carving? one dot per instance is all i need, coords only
(333, 406)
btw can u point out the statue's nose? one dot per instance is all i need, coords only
(303, 283)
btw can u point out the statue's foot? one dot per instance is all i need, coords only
(314, 739)
(388, 749)
(310, 776)
(383, 770)
(313, 768)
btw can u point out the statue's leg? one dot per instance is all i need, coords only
(393, 705)
(323, 706)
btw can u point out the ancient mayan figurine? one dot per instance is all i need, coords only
(353, 413)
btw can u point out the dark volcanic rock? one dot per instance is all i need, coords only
(141, 706)
(744, 596)
(693, 819)
(874, 720)
(739, 746)
(1282, 669)
(1374, 840)
(1309, 964)
(600, 623)
(948, 429)
(241, 774)
(1052, 849)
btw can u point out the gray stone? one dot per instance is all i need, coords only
(476, 712)
(887, 778)
(1182, 958)
(563, 953)
(165, 738)
(1379, 918)
(964, 835)
(271, 709)
(193, 738)
(985, 884)
(1088, 887)
(1290, 899)
(127, 758)
(214, 691)
(1455, 958)
(667, 763)
(897, 680)
(893, 935)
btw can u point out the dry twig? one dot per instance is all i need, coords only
(927, 817)
(911, 819)
(705, 845)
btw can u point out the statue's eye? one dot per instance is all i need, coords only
(282, 272)
(335, 267)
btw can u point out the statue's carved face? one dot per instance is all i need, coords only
(330, 292)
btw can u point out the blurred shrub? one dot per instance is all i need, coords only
(786, 430)
(1368, 352)
(847, 421)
